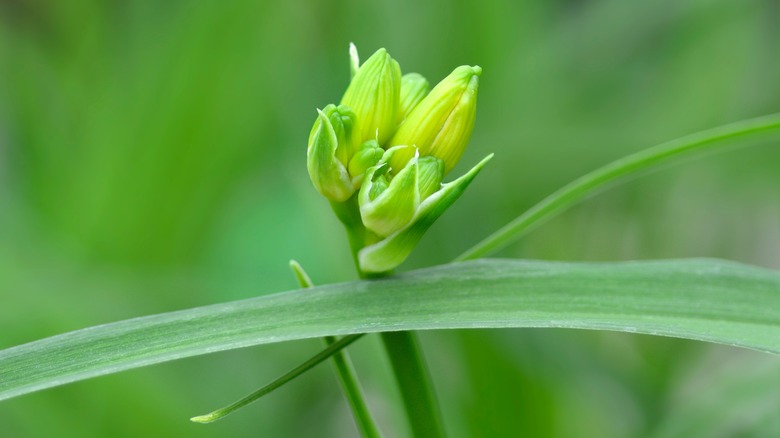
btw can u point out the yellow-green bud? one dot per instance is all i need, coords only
(329, 152)
(441, 124)
(367, 156)
(400, 193)
(414, 87)
(374, 94)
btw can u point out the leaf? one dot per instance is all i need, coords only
(709, 300)
(333, 348)
(620, 169)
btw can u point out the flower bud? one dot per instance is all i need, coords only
(328, 152)
(386, 208)
(373, 94)
(441, 124)
(414, 87)
(367, 156)
(392, 141)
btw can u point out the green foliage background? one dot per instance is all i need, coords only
(152, 159)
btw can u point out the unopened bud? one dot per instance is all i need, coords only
(392, 141)
(367, 156)
(414, 87)
(441, 124)
(373, 94)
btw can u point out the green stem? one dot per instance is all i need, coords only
(406, 358)
(415, 384)
(295, 372)
(590, 183)
(359, 237)
(345, 371)
(414, 381)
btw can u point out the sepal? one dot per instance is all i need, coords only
(388, 204)
(391, 251)
(430, 175)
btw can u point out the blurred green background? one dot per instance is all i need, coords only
(152, 159)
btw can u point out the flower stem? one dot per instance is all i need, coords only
(358, 236)
(415, 384)
(411, 373)
(346, 373)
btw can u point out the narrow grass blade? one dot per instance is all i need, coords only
(345, 372)
(591, 183)
(295, 372)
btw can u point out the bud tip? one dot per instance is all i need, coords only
(354, 60)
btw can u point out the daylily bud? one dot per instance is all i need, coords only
(343, 121)
(392, 141)
(414, 87)
(328, 153)
(441, 124)
(367, 156)
(373, 94)
(430, 174)
(385, 208)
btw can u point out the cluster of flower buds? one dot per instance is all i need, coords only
(388, 146)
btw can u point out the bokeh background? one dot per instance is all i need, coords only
(152, 159)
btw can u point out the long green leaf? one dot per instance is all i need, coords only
(644, 160)
(708, 300)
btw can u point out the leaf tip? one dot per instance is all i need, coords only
(204, 419)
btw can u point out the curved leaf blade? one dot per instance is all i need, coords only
(620, 169)
(708, 300)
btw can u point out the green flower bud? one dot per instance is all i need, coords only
(400, 193)
(441, 124)
(373, 94)
(367, 156)
(414, 87)
(386, 208)
(328, 153)
(430, 174)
